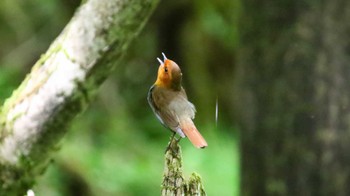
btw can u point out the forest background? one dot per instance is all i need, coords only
(116, 147)
(279, 72)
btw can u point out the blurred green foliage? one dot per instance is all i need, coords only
(116, 147)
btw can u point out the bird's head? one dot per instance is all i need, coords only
(169, 74)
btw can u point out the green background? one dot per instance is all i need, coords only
(116, 146)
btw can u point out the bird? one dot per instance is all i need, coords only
(169, 103)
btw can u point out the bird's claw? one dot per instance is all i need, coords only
(173, 145)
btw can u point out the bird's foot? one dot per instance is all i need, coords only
(173, 145)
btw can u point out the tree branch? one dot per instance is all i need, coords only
(61, 84)
(173, 181)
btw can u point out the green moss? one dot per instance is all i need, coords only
(195, 186)
(14, 179)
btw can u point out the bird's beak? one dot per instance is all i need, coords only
(164, 56)
(160, 61)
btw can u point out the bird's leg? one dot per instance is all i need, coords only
(170, 144)
(178, 140)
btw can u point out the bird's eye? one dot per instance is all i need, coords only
(165, 69)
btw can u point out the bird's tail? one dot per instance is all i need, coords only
(192, 133)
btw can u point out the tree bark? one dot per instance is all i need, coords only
(174, 184)
(61, 84)
(292, 88)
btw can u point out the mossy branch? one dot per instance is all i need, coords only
(173, 181)
(61, 84)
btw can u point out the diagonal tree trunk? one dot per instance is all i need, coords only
(293, 97)
(61, 84)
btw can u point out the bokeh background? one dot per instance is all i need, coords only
(116, 146)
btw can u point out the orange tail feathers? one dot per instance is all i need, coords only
(193, 134)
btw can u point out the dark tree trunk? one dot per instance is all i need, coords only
(293, 89)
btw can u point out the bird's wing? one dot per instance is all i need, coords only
(154, 107)
(159, 104)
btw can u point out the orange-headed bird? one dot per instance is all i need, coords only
(169, 103)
